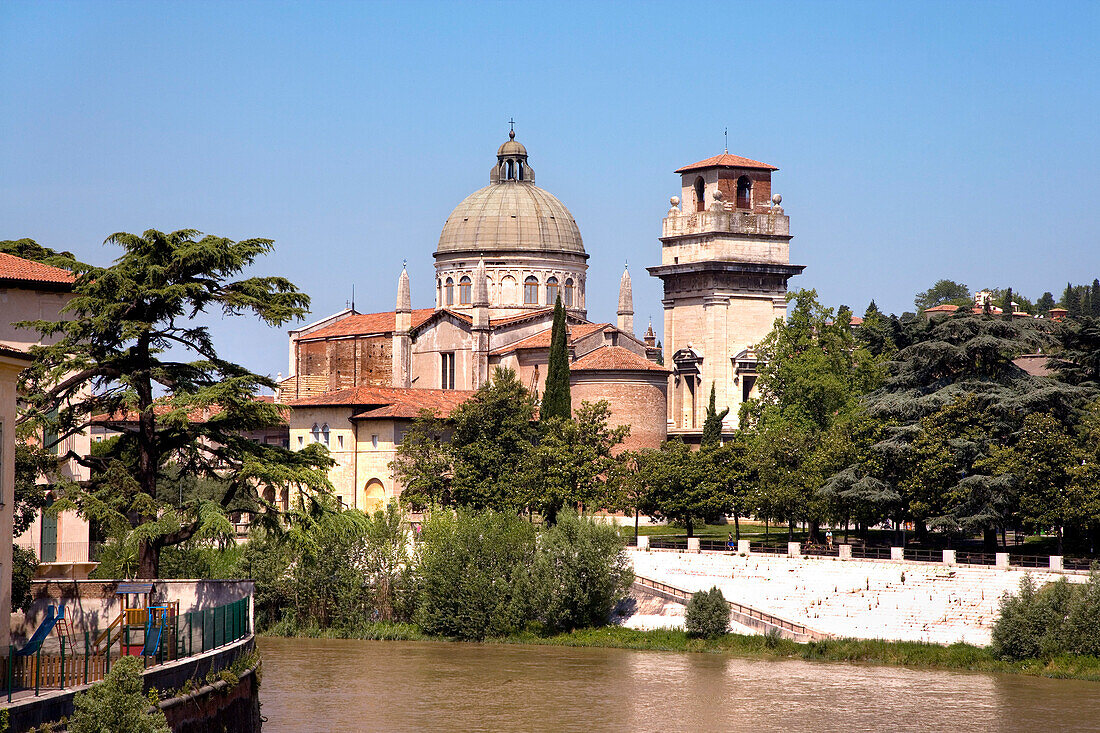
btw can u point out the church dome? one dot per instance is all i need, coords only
(511, 213)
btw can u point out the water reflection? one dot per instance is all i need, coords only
(325, 685)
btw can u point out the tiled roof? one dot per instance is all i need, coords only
(367, 323)
(541, 340)
(521, 317)
(855, 321)
(389, 401)
(614, 359)
(725, 160)
(1037, 365)
(17, 269)
(14, 353)
(195, 415)
(944, 308)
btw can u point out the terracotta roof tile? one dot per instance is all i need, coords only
(541, 340)
(27, 271)
(944, 308)
(389, 401)
(195, 415)
(521, 317)
(13, 352)
(614, 359)
(725, 160)
(362, 324)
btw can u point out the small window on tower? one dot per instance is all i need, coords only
(531, 290)
(567, 294)
(324, 433)
(511, 171)
(464, 291)
(744, 192)
(551, 291)
(700, 204)
(449, 292)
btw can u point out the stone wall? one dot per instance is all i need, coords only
(635, 399)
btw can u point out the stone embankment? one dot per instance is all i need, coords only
(864, 599)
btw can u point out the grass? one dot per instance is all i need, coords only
(915, 655)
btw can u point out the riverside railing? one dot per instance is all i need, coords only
(79, 661)
(863, 552)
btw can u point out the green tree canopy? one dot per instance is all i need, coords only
(555, 396)
(122, 350)
(944, 291)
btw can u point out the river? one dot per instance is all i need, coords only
(338, 685)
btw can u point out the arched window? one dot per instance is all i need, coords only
(449, 292)
(531, 290)
(508, 290)
(744, 192)
(464, 291)
(700, 204)
(551, 290)
(324, 433)
(316, 433)
(567, 293)
(511, 171)
(373, 498)
(519, 170)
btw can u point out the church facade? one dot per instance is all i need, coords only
(506, 253)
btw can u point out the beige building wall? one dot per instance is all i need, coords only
(10, 367)
(25, 304)
(362, 450)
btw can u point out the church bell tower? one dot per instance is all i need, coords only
(725, 262)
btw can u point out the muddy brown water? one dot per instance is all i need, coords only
(342, 685)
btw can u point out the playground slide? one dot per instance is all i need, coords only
(35, 642)
(153, 635)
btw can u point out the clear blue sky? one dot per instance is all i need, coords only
(915, 141)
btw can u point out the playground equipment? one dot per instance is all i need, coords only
(141, 629)
(55, 620)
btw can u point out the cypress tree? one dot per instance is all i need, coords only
(555, 397)
(712, 424)
(1006, 306)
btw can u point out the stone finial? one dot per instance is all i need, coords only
(481, 287)
(718, 194)
(404, 299)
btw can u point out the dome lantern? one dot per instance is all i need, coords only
(512, 164)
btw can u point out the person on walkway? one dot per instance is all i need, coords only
(729, 542)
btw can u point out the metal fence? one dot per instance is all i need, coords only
(81, 661)
(863, 552)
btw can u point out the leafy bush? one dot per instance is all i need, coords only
(24, 563)
(708, 614)
(118, 705)
(580, 572)
(1059, 619)
(471, 574)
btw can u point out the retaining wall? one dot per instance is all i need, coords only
(856, 598)
(211, 708)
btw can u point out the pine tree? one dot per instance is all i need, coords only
(1071, 301)
(1006, 306)
(712, 424)
(555, 398)
(1095, 310)
(1045, 303)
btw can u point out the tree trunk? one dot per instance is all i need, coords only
(690, 527)
(736, 527)
(766, 535)
(635, 525)
(790, 531)
(148, 561)
(815, 531)
(1059, 539)
(845, 530)
(989, 539)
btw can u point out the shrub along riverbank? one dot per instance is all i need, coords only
(915, 655)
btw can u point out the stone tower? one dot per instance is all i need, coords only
(481, 328)
(626, 304)
(725, 262)
(402, 339)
